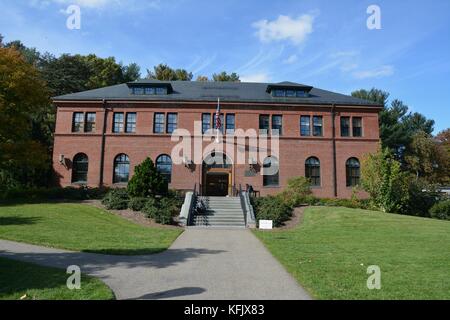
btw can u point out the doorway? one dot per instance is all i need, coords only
(217, 184)
(217, 176)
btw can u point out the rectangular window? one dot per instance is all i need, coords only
(131, 123)
(264, 124)
(222, 124)
(158, 123)
(302, 94)
(357, 126)
(172, 122)
(290, 93)
(90, 122)
(138, 90)
(78, 122)
(206, 122)
(317, 126)
(161, 91)
(279, 93)
(231, 123)
(345, 126)
(305, 126)
(277, 125)
(118, 122)
(149, 90)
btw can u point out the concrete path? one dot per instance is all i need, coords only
(202, 264)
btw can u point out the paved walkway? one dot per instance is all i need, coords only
(202, 264)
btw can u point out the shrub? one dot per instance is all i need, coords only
(385, 182)
(164, 216)
(297, 192)
(137, 204)
(422, 197)
(146, 181)
(441, 210)
(272, 208)
(151, 208)
(116, 199)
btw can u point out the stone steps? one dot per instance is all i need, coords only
(221, 212)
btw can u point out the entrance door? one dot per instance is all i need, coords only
(217, 184)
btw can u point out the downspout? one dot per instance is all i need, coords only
(102, 151)
(333, 116)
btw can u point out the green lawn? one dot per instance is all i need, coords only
(330, 251)
(41, 283)
(80, 227)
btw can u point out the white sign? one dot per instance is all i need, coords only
(266, 224)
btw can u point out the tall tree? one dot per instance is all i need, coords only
(23, 95)
(202, 79)
(223, 76)
(163, 72)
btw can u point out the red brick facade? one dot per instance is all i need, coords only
(294, 149)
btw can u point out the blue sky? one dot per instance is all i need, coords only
(323, 43)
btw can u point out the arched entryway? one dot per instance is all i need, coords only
(217, 175)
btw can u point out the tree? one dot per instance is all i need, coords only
(386, 183)
(427, 158)
(397, 124)
(146, 181)
(131, 72)
(163, 72)
(223, 76)
(202, 79)
(23, 95)
(443, 138)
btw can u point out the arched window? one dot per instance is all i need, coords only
(80, 168)
(353, 170)
(164, 166)
(312, 171)
(121, 169)
(271, 172)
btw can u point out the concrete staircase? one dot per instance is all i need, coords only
(221, 212)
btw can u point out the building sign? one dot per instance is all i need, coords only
(266, 224)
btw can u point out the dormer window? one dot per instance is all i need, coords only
(289, 90)
(152, 88)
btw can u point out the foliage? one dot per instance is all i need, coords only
(397, 124)
(441, 210)
(116, 199)
(296, 192)
(427, 158)
(68, 193)
(202, 79)
(162, 210)
(223, 76)
(146, 181)
(353, 203)
(422, 196)
(23, 96)
(163, 72)
(385, 182)
(137, 204)
(151, 208)
(272, 208)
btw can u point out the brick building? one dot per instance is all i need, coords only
(102, 134)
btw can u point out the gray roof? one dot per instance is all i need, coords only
(210, 91)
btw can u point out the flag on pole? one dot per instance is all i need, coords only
(218, 124)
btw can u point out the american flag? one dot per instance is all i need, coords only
(218, 121)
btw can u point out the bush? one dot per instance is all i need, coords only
(162, 210)
(151, 208)
(422, 197)
(272, 208)
(137, 204)
(116, 199)
(297, 192)
(147, 181)
(164, 216)
(441, 210)
(69, 193)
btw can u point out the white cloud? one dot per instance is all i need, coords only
(292, 59)
(285, 28)
(256, 77)
(381, 72)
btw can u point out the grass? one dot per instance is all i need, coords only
(18, 279)
(330, 251)
(80, 227)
